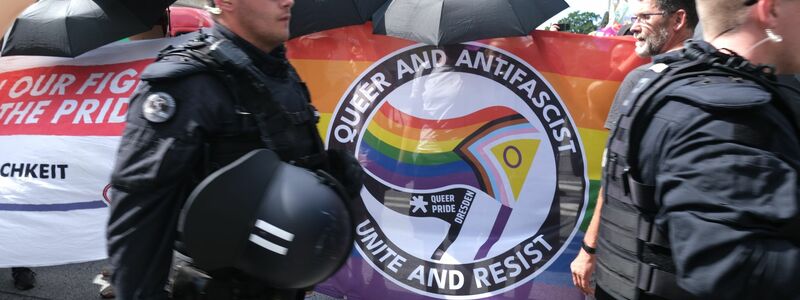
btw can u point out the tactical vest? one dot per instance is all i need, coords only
(263, 121)
(634, 260)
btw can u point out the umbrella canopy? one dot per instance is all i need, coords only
(69, 28)
(309, 16)
(440, 22)
(147, 11)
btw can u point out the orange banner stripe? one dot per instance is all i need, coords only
(577, 55)
(438, 134)
(587, 100)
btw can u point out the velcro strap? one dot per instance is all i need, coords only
(649, 233)
(642, 195)
(619, 262)
(657, 282)
(617, 236)
(646, 230)
(613, 189)
(620, 217)
(614, 284)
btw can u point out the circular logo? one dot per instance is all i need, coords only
(476, 174)
(158, 107)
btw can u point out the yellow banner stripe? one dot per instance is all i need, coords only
(413, 145)
(594, 141)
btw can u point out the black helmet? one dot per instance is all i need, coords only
(279, 223)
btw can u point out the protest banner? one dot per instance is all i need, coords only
(60, 122)
(483, 158)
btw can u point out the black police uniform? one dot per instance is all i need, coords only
(701, 184)
(194, 112)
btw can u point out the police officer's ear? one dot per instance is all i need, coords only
(767, 12)
(680, 20)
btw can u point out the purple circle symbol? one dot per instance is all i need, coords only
(519, 157)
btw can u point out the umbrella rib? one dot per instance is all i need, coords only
(441, 21)
(358, 11)
(519, 22)
(66, 29)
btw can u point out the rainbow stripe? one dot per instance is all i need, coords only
(413, 152)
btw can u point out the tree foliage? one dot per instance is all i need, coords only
(581, 22)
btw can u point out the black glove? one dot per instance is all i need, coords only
(347, 170)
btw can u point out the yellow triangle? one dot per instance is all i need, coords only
(516, 157)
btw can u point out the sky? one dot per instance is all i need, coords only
(596, 6)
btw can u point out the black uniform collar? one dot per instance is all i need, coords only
(273, 63)
(692, 50)
(667, 57)
(724, 58)
(699, 47)
(700, 44)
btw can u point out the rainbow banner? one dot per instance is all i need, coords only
(483, 158)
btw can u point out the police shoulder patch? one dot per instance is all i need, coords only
(158, 107)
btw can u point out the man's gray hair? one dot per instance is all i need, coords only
(671, 6)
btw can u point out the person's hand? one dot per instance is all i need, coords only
(347, 170)
(554, 27)
(582, 268)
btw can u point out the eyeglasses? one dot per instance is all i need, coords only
(644, 17)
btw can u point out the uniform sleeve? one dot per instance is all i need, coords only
(727, 184)
(151, 179)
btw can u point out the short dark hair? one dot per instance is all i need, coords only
(672, 6)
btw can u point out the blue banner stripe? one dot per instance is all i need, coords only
(52, 207)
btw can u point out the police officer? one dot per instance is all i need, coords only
(659, 26)
(702, 198)
(199, 107)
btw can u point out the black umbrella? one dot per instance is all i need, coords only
(147, 11)
(310, 16)
(440, 22)
(69, 28)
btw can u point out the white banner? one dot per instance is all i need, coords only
(60, 121)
